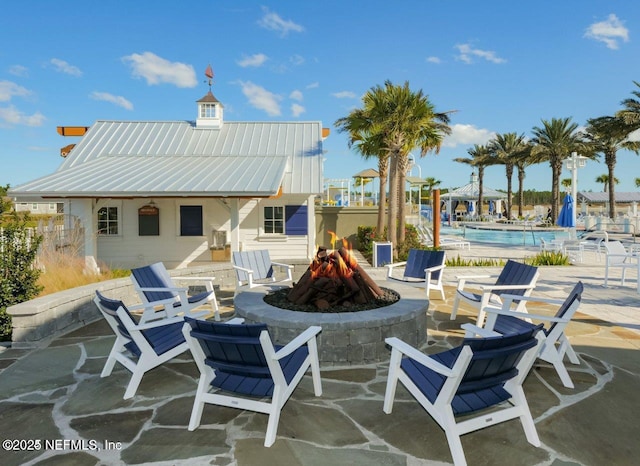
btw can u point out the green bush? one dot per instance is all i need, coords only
(548, 258)
(477, 262)
(18, 275)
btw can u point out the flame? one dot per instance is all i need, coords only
(334, 238)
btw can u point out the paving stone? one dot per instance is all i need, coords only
(26, 421)
(159, 444)
(317, 424)
(115, 427)
(36, 371)
(251, 452)
(609, 416)
(178, 411)
(69, 459)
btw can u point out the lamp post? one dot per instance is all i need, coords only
(572, 164)
(415, 164)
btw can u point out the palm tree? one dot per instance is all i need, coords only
(480, 159)
(430, 184)
(630, 114)
(395, 120)
(637, 182)
(521, 162)
(567, 182)
(604, 179)
(607, 135)
(553, 143)
(506, 149)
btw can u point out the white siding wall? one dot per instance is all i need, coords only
(128, 249)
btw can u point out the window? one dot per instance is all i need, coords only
(108, 221)
(34, 206)
(274, 219)
(52, 207)
(190, 220)
(207, 110)
(291, 220)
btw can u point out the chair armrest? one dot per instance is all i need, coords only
(467, 277)
(472, 331)
(280, 264)
(159, 323)
(512, 297)
(490, 288)
(176, 289)
(435, 268)
(243, 269)
(208, 281)
(525, 315)
(417, 355)
(298, 341)
(390, 267)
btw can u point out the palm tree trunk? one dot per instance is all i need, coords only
(612, 194)
(556, 170)
(402, 196)
(520, 190)
(383, 170)
(480, 190)
(392, 216)
(509, 169)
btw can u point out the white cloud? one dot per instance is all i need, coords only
(261, 98)
(297, 60)
(19, 70)
(297, 110)
(254, 60)
(609, 31)
(8, 89)
(344, 95)
(634, 136)
(114, 99)
(296, 95)
(273, 22)
(157, 70)
(467, 53)
(14, 116)
(314, 85)
(467, 134)
(434, 60)
(64, 67)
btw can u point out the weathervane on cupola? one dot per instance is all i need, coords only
(209, 74)
(209, 108)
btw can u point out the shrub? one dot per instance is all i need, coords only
(18, 275)
(477, 262)
(548, 258)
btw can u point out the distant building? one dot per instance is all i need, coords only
(49, 208)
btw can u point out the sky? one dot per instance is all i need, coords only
(501, 66)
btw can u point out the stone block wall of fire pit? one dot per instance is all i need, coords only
(347, 338)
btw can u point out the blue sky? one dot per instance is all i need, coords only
(502, 65)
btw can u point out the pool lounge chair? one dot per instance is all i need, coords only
(426, 237)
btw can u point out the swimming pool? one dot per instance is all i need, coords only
(512, 237)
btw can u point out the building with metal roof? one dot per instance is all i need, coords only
(251, 182)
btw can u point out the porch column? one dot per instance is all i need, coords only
(83, 209)
(234, 211)
(311, 232)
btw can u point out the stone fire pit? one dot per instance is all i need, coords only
(348, 338)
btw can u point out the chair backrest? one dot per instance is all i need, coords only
(259, 261)
(234, 349)
(570, 304)
(420, 259)
(516, 273)
(616, 248)
(495, 359)
(154, 276)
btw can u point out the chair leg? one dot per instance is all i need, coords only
(563, 373)
(606, 274)
(442, 293)
(454, 308)
(392, 381)
(526, 419)
(136, 378)
(274, 416)
(315, 367)
(198, 404)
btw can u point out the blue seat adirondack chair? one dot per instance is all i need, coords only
(155, 286)
(515, 278)
(466, 381)
(240, 361)
(555, 345)
(139, 346)
(255, 268)
(423, 268)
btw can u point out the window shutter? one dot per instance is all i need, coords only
(295, 217)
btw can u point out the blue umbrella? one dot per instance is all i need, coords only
(565, 219)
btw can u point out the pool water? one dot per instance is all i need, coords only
(512, 237)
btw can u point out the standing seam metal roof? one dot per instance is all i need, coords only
(177, 158)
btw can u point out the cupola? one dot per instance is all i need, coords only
(209, 108)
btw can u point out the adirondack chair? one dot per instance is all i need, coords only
(240, 361)
(423, 268)
(465, 381)
(555, 344)
(515, 278)
(139, 347)
(255, 268)
(155, 286)
(617, 256)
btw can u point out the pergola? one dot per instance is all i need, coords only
(366, 174)
(470, 192)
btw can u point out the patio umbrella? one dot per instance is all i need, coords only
(565, 219)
